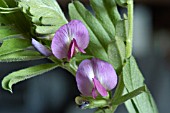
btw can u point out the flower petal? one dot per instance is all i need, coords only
(84, 77)
(41, 48)
(76, 45)
(105, 73)
(60, 42)
(71, 50)
(79, 32)
(94, 92)
(99, 87)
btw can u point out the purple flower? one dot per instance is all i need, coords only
(69, 39)
(95, 77)
(41, 48)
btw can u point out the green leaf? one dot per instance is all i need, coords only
(79, 57)
(90, 21)
(13, 45)
(8, 10)
(24, 74)
(117, 49)
(8, 31)
(116, 54)
(3, 21)
(133, 79)
(130, 95)
(131, 107)
(12, 24)
(45, 14)
(98, 44)
(25, 55)
(3, 17)
(122, 29)
(3, 3)
(46, 29)
(104, 15)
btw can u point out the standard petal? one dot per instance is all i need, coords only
(41, 48)
(79, 32)
(84, 77)
(105, 73)
(60, 42)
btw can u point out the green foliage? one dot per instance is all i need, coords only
(9, 32)
(14, 45)
(104, 16)
(133, 79)
(80, 57)
(4, 4)
(17, 25)
(116, 53)
(24, 74)
(15, 30)
(16, 49)
(11, 25)
(122, 29)
(17, 18)
(24, 55)
(14, 33)
(129, 95)
(45, 15)
(8, 10)
(116, 49)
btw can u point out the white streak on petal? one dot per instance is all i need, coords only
(60, 42)
(84, 77)
(79, 32)
(105, 73)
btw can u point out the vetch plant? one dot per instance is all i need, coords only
(95, 48)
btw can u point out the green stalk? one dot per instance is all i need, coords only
(130, 27)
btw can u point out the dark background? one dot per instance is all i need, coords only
(54, 92)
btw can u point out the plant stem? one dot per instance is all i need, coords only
(130, 27)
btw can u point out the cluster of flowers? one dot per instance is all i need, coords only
(94, 77)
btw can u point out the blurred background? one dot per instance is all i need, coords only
(54, 92)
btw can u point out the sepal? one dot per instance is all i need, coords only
(89, 102)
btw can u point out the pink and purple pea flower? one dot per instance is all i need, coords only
(70, 39)
(95, 77)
